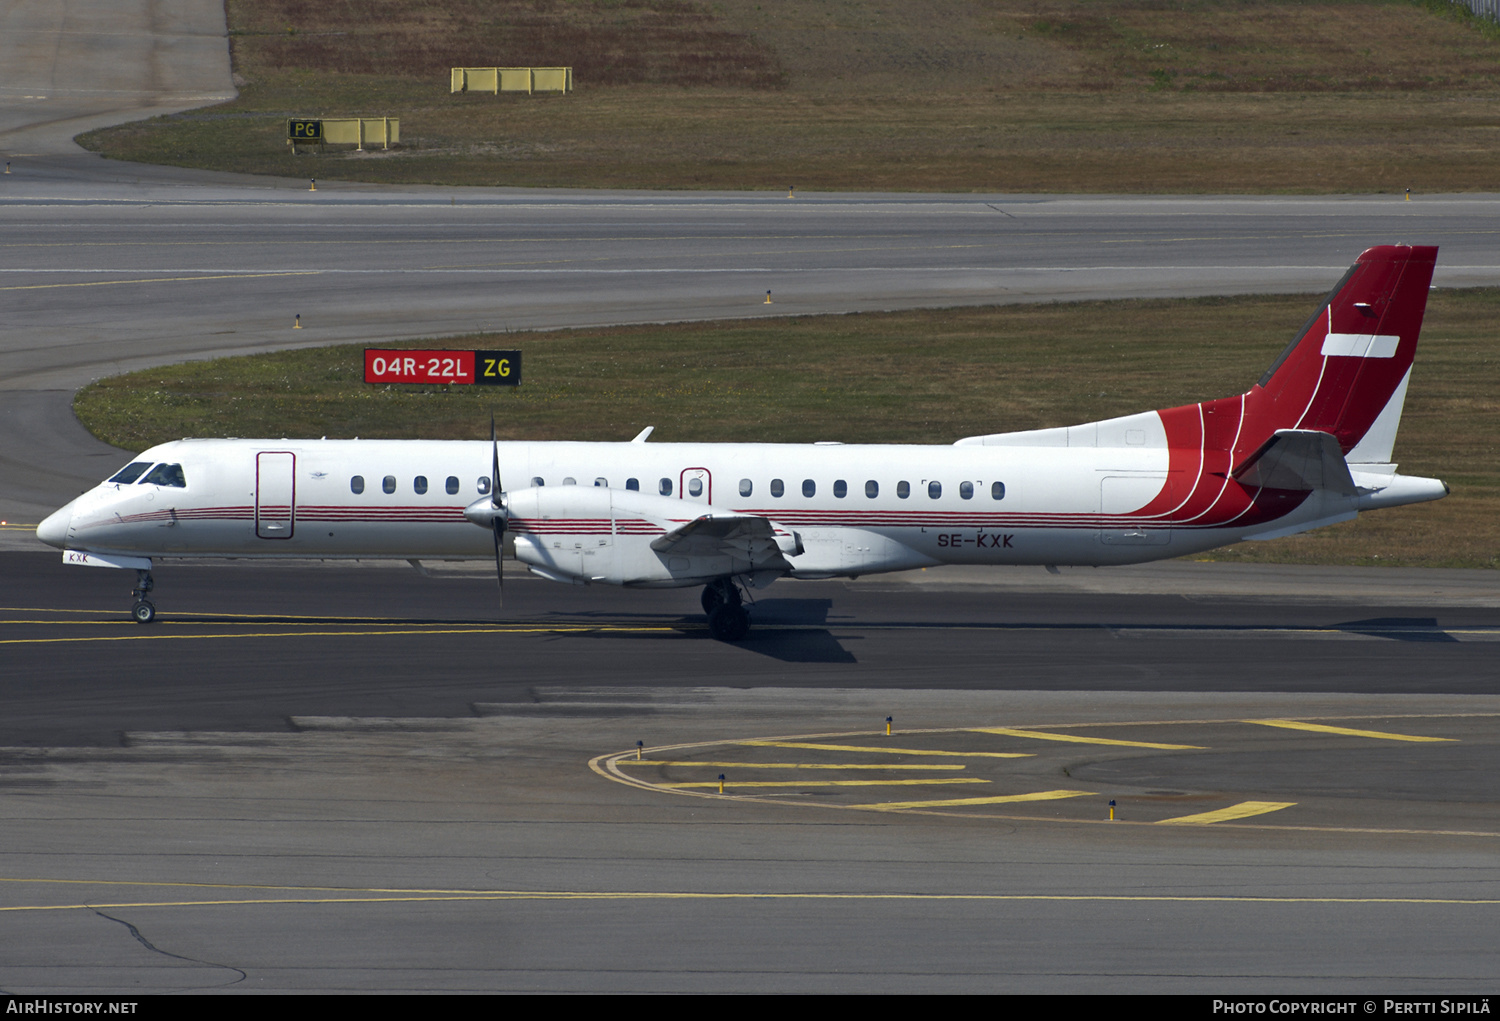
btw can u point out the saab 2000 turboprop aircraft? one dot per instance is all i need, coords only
(1306, 446)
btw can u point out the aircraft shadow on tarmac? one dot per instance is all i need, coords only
(1401, 629)
(790, 630)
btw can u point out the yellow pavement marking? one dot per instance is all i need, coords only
(891, 806)
(878, 748)
(162, 280)
(1076, 739)
(548, 630)
(788, 765)
(820, 783)
(355, 895)
(1320, 728)
(1243, 810)
(364, 895)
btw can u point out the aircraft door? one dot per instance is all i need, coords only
(696, 484)
(275, 494)
(1119, 496)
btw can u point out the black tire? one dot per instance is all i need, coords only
(712, 599)
(720, 593)
(729, 623)
(143, 612)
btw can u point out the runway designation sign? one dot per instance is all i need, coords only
(484, 368)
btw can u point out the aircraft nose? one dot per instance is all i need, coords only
(54, 530)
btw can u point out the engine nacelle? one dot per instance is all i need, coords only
(591, 533)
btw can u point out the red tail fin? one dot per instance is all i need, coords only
(1350, 361)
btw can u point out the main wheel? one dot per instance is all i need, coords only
(729, 623)
(720, 593)
(712, 599)
(143, 612)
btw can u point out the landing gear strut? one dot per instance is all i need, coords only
(144, 611)
(728, 620)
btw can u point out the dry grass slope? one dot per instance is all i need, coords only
(953, 95)
(666, 42)
(862, 378)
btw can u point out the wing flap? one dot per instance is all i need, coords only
(743, 536)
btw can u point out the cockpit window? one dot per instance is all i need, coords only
(131, 472)
(166, 475)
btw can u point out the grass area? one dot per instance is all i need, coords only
(960, 95)
(922, 377)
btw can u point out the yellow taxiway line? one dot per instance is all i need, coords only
(158, 280)
(818, 783)
(1004, 799)
(1244, 810)
(1322, 728)
(789, 765)
(1042, 735)
(807, 746)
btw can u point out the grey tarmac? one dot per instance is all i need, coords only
(364, 778)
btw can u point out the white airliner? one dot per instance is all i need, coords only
(1306, 446)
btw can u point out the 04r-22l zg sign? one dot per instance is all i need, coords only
(484, 368)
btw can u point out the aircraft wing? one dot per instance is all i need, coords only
(744, 536)
(1300, 459)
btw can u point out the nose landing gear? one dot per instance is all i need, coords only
(144, 611)
(728, 620)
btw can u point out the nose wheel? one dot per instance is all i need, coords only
(144, 611)
(728, 620)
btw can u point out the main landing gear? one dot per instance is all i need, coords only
(728, 620)
(144, 611)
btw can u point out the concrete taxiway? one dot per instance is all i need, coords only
(366, 778)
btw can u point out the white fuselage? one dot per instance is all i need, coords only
(588, 511)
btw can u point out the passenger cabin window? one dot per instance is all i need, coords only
(903, 490)
(357, 484)
(602, 483)
(840, 488)
(388, 483)
(746, 487)
(166, 475)
(482, 485)
(131, 472)
(452, 485)
(934, 490)
(809, 487)
(537, 480)
(695, 487)
(569, 481)
(872, 489)
(634, 485)
(664, 487)
(997, 491)
(419, 484)
(966, 490)
(777, 488)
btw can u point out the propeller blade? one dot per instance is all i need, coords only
(497, 523)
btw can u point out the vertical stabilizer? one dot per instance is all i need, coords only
(1347, 370)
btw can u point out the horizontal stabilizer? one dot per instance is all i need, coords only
(1298, 459)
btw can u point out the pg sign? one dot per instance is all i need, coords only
(484, 368)
(304, 131)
